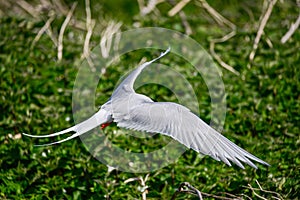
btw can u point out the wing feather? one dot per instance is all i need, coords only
(178, 122)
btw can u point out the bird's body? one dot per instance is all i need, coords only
(138, 112)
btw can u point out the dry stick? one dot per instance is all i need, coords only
(185, 23)
(89, 26)
(267, 191)
(144, 10)
(51, 35)
(178, 7)
(246, 196)
(217, 57)
(61, 6)
(222, 21)
(187, 27)
(106, 39)
(143, 183)
(231, 195)
(220, 197)
(278, 196)
(32, 11)
(269, 42)
(141, 5)
(42, 30)
(62, 30)
(261, 28)
(27, 7)
(256, 193)
(144, 193)
(291, 31)
(63, 9)
(216, 16)
(45, 3)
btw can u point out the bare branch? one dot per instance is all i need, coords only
(144, 10)
(221, 21)
(291, 31)
(61, 7)
(106, 39)
(43, 30)
(90, 24)
(277, 195)
(62, 30)
(51, 35)
(143, 184)
(141, 5)
(185, 23)
(262, 25)
(178, 7)
(217, 57)
(216, 16)
(256, 193)
(28, 8)
(222, 198)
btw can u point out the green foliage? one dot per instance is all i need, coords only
(263, 106)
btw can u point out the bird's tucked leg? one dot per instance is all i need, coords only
(105, 125)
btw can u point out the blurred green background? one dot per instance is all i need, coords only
(263, 101)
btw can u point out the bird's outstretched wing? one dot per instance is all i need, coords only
(179, 123)
(101, 117)
(127, 83)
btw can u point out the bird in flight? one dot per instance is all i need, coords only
(131, 110)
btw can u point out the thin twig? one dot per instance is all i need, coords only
(182, 15)
(250, 187)
(51, 35)
(267, 191)
(90, 24)
(291, 31)
(185, 23)
(62, 30)
(217, 57)
(143, 184)
(178, 7)
(43, 30)
(144, 10)
(269, 42)
(141, 5)
(45, 4)
(106, 37)
(246, 196)
(278, 196)
(61, 6)
(28, 8)
(220, 197)
(221, 21)
(216, 16)
(261, 28)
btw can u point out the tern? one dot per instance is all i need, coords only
(131, 110)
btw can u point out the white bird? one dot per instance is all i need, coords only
(138, 112)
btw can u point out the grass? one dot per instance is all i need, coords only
(263, 106)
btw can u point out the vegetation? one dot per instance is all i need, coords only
(263, 101)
